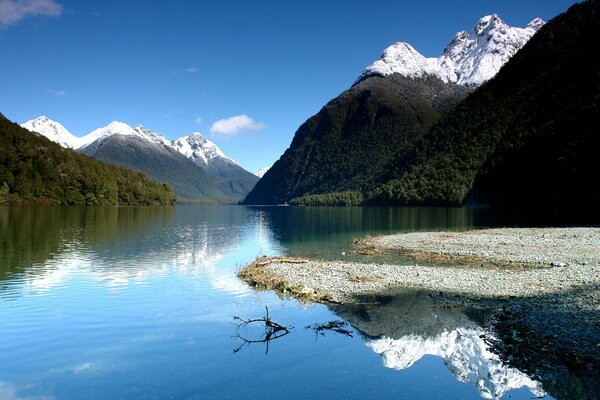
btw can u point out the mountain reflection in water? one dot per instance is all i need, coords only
(405, 327)
(136, 302)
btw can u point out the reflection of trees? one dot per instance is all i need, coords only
(558, 345)
(402, 314)
(116, 242)
(405, 327)
(297, 224)
(32, 235)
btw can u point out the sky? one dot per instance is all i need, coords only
(245, 74)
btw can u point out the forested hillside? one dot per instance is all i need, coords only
(528, 137)
(34, 170)
(357, 140)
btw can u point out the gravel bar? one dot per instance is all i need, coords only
(564, 272)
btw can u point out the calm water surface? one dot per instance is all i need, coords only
(138, 303)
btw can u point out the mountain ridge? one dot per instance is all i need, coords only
(470, 59)
(56, 132)
(36, 171)
(220, 178)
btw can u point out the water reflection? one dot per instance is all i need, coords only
(405, 327)
(10, 391)
(41, 247)
(112, 279)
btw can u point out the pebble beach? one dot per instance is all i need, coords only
(558, 265)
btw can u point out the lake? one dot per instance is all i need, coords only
(139, 303)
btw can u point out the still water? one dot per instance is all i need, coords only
(138, 303)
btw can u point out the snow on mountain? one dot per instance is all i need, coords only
(465, 354)
(114, 128)
(262, 171)
(194, 146)
(120, 128)
(199, 149)
(470, 59)
(53, 131)
(154, 137)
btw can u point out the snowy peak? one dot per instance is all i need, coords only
(199, 149)
(536, 24)
(403, 59)
(53, 131)
(470, 59)
(154, 137)
(489, 21)
(262, 171)
(101, 134)
(121, 128)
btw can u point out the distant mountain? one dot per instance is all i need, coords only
(528, 137)
(232, 179)
(33, 170)
(262, 171)
(220, 178)
(158, 161)
(364, 137)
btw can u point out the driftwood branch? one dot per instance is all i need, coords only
(272, 330)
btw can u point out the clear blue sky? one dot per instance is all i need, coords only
(178, 66)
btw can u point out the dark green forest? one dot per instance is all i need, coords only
(528, 137)
(356, 140)
(34, 170)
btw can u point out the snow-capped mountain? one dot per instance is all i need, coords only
(465, 354)
(195, 146)
(53, 131)
(470, 59)
(119, 128)
(262, 171)
(199, 149)
(195, 166)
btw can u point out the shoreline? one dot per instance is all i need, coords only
(544, 316)
(557, 266)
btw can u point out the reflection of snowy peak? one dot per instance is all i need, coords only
(470, 59)
(464, 352)
(53, 131)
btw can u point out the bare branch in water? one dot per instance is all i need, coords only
(272, 331)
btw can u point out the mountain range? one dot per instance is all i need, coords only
(470, 59)
(504, 117)
(34, 170)
(359, 140)
(196, 168)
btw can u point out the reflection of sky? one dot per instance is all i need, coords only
(10, 391)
